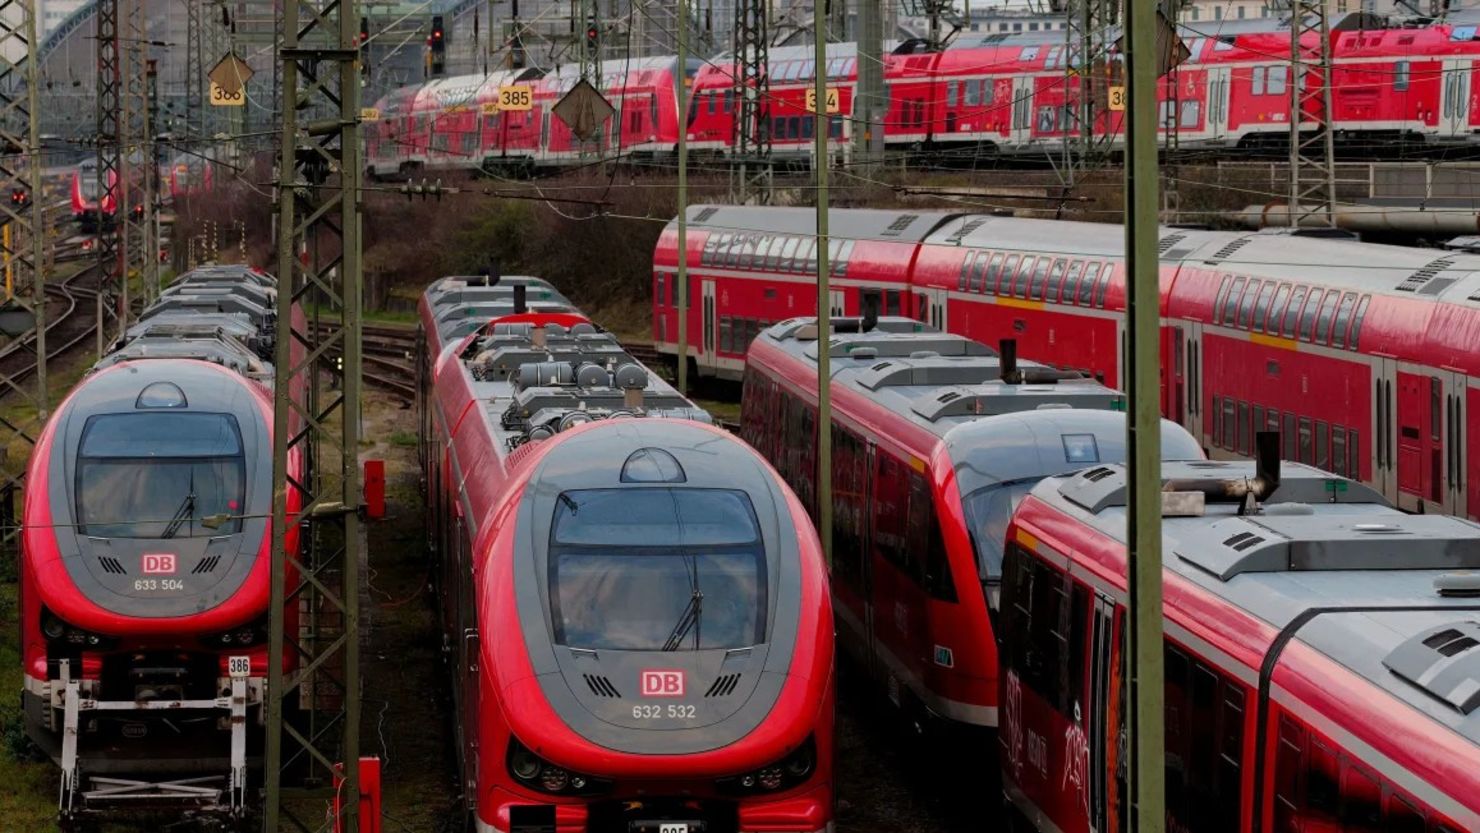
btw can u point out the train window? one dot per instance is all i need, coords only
(1055, 281)
(807, 125)
(1261, 307)
(978, 271)
(788, 254)
(1357, 317)
(1246, 305)
(1308, 315)
(1343, 320)
(1289, 435)
(1277, 83)
(1402, 817)
(1271, 420)
(1256, 81)
(659, 295)
(1288, 804)
(1338, 450)
(729, 101)
(1191, 113)
(1322, 794)
(988, 92)
(1436, 415)
(1040, 279)
(1024, 274)
(1222, 297)
(1277, 310)
(966, 264)
(994, 272)
(726, 334)
(612, 587)
(973, 94)
(1087, 286)
(1307, 450)
(890, 508)
(1102, 286)
(1258, 418)
(988, 512)
(1328, 311)
(1323, 450)
(1230, 753)
(845, 254)
(892, 302)
(951, 90)
(923, 536)
(1004, 278)
(712, 98)
(1217, 420)
(1071, 282)
(1361, 802)
(1243, 428)
(1230, 424)
(1178, 730)
(1400, 76)
(170, 469)
(1230, 305)
(807, 256)
(850, 485)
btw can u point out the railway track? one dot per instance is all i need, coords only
(69, 322)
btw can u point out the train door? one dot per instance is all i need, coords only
(707, 346)
(1192, 374)
(1022, 110)
(1455, 113)
(1420, 424)
(1104, 733)
(891, 621)
(1218, 89)
(1384, 469)
(838, 302)
(1455, 392)
(935, 308)
(867, 584)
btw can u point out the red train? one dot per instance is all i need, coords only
(144, 562)
(1361, 354)
(935, 440)
(1320, 655)
(985, 95)
(638, 604)
(91, 208)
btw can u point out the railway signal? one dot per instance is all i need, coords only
(437, 47)
(593, 39)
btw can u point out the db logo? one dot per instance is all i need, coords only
(157, 564)
(662, 684)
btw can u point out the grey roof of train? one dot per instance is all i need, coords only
(860, 223)
(1324, 531)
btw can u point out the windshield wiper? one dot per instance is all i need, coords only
(689, 621)
(187, 508)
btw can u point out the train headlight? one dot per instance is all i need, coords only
(783, 774)
(535, 773)
(52, 626)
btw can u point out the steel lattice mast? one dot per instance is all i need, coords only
(24, 238)
(1312, 155)
(195, 72)
(318, 208)
(751, 176)
(134, 215)
(112, 287)
(1087, 82)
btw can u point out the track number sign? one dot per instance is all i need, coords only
(238, 667)
(221, 98)
(518, 97)
(834, 100)
(1117, 98)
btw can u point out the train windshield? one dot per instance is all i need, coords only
(87, 178)
(657, 569)
(156, 475)
(988, 512)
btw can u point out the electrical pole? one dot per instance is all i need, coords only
(318, 199)
(683, 198)
(133, 212)
(820, 166)
(869, 103)
(150, 251)
(112, 299)
(26, 242)
(1087, 82)
(751, 177)
(1312, 154)
(195, 72)
(1143, 427)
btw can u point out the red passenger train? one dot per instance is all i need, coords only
(985, 95)
(935, 440)
(1321, 655)
(144, 558)
(1363, 355)
(636, 603)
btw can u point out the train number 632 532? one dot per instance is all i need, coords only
(672, 711)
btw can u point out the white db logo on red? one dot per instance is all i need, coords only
(157, 564)
(662, 684)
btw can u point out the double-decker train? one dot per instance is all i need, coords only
(1321, 655)
(635, 604)
(1360, 354)
(144, 558)
(1391, 86)
(935, 439)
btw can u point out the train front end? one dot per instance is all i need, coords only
(144, 583)
(665, 651)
